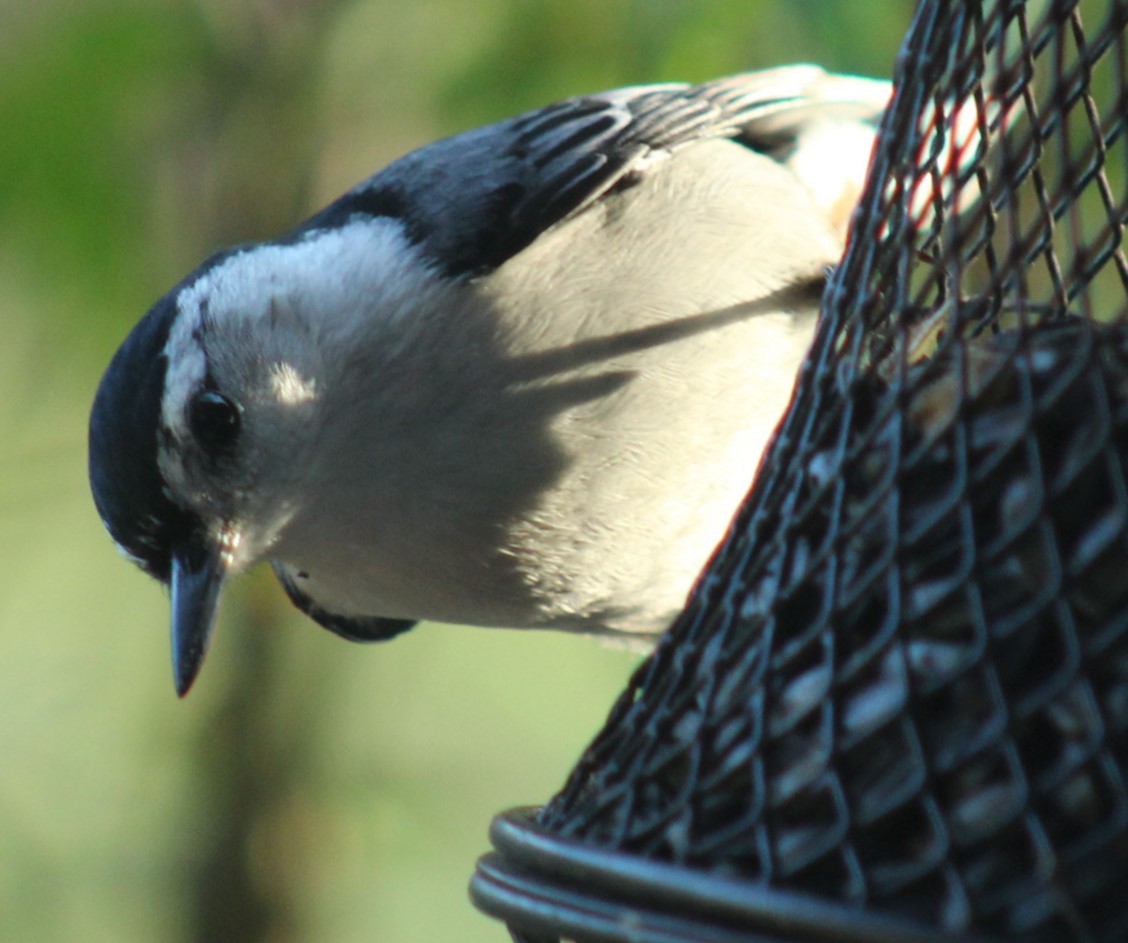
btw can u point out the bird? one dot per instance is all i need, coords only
(521, 377)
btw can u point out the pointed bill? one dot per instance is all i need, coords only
(197, 577)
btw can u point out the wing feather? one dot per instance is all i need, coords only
(476, 199)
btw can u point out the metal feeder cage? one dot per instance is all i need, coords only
(896, 708)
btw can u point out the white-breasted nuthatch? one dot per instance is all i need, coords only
(520, 377)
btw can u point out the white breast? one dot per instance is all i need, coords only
(566, 446)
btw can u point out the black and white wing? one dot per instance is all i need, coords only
(476, 199)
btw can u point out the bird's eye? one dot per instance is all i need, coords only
(214, 420)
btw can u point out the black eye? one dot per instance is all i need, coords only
(214, 420)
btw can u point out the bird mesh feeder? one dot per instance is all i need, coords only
(897, 707)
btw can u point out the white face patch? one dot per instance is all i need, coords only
(290, 387)
(187, 363)
(271, 326)
(334, 282)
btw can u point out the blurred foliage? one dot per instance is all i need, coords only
(308, 789)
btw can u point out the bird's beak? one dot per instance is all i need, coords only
(197, 577)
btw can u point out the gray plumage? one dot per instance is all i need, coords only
(521, 377)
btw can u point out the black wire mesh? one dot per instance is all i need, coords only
(902, 685)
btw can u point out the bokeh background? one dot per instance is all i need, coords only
(308, 789)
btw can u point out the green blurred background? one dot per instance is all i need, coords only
(308, 789)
